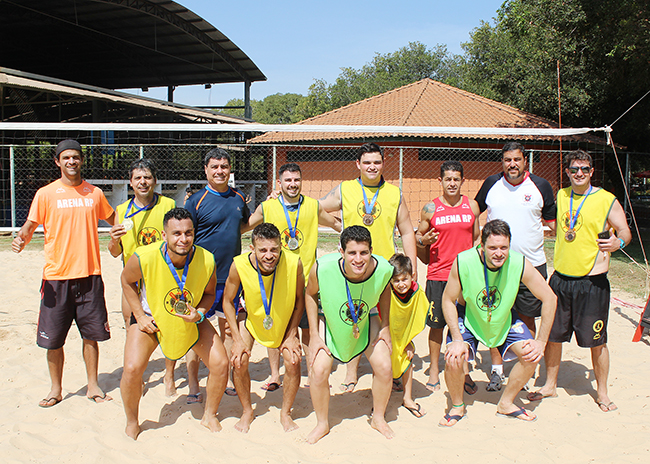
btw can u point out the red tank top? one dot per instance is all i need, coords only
(455, 225)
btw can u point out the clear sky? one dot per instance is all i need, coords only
(295, 42)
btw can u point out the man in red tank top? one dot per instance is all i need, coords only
(448, 225)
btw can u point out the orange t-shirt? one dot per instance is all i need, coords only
(69, 216)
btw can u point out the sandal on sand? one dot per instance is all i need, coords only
(415, 411)
(348, 387)
(194, 399)
(49, 402)
(448, 418)
(605, 407)
(432, 386)
(270, 387)
(539, 396)
(470, 387)
(517, 415)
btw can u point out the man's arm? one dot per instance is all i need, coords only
(229, 292)
(24, 236)
(618, 222)
(332, 201)
(476, 231)
(384, 331)
(531, 278)
(425, 235)
(111, 219)
(291, 341)
(316, 343)
(327, 220)
(408, 235)
(456, 352)
(254, 220)
(131, 275)
(115, 243)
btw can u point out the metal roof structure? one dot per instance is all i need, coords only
(118, 44)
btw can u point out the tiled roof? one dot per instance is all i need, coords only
(423, 103)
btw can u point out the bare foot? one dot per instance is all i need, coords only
(319, 432)
(132, 430)
(211, 423)
(244, 423)
(170, 387)
(382, 427)
(287, 423)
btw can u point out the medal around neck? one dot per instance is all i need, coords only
(127, 224)
(267, 323)
(293, 244)
(570, 235)
(355, 330)
(368, 220)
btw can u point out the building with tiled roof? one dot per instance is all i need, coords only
(413, 161)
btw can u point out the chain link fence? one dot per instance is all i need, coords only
(415, 169)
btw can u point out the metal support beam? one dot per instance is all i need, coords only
(170, 94)
(248, 111)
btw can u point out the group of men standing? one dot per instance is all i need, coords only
(184, 266)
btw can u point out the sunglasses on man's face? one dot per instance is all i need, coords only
(584, 169)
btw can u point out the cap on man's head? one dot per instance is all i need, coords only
(67, 144)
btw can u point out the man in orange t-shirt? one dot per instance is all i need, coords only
(72, 287)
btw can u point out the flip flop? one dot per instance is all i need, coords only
(231, 391)
(448, 418)
(517, 415)
(348, 387)
(607, 407)
(415, 411)
(397, 385)
(45, 402)
(270, 387)
(102, 399)
(470, 387)
(432, 386)
(195, 398)
(539, 396)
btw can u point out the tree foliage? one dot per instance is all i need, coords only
(279, 108)
(385, 72)
(603, 50)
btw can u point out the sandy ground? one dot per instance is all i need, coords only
(570, 428)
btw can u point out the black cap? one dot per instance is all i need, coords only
(67, 144)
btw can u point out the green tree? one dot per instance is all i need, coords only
(385, 72)
(279, 108)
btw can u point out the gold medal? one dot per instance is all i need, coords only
(267, 323)
(180, 307)
(570, 235)
(127, 224)
(355, 330)
(368, 220)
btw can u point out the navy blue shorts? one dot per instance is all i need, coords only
(217, 306)
(518, 333)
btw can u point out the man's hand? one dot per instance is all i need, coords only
(430, 237)
(146, 324)
(17, 244)
(315, 345)
(274, 195)
(292, 345)
(384, 335)
(117, 232)
(457, 353)
(532, 350)
(193, 316)
(610, 244)
(238, 350)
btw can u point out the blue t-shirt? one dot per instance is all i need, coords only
(217, 219)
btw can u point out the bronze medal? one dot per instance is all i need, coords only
(267, 323)
(570, 235)
(355, 330)
(368, 220)
(180, 307)
(293, 243)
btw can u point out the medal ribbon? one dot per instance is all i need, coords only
(368, 206)
(269, 302)
(292, 231)
(487, 287)
(172, 268)
(353, 309)
(574, 218)
(137, 209)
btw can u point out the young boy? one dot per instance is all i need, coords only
(408, 311)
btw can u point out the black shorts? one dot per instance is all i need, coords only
(63, 301)
(582, 307)
(434, 289)
(526, 304)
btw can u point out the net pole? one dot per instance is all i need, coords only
(12, 180)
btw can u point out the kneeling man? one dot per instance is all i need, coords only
(169, 286)
(273, 288)
(350, 286)
(485, 280)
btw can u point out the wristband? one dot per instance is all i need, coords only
(420, 242)
(202, 317)
(622, 243)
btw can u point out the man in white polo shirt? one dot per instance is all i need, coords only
(525, 202)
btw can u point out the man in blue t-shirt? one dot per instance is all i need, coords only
(220, 214)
